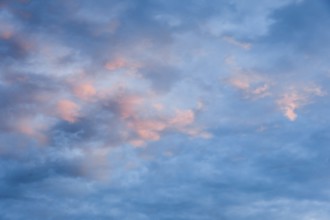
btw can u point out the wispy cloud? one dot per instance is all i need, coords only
(294, 99)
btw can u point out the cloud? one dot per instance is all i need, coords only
(253, 85)
(128, 105)
(183, 118)
(257, 85)
(233, 41)
(152, 129)
(149, 130)
(116, 64)
(291, 101)
(85, 91)
(114, 109)
(32, 127)
(162, 77)
(68, 110)
(281, 208)
(240, 19)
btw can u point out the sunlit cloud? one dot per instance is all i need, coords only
(252, 85)
(68, 110)
(183, 118)
(116, 64)
(85, 91)
(291, 101)
(128, 105)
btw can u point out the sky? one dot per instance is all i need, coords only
(164, 109)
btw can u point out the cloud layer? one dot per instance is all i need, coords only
(164, 110)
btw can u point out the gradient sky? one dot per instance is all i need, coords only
(164, 109)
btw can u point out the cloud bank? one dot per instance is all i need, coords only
(164, 109)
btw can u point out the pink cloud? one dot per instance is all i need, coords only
(261, 90)
(7, 29)
(182, 118)
(84, 91)
(31, 127)
(252, 85)
(242, 83)
(291, 101)
(151, 129)
(128, 105)
(68, 110)
(6, 35)
(147, 119)
(116, 64)
(148, 129)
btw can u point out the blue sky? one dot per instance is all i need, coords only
(163, 109)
